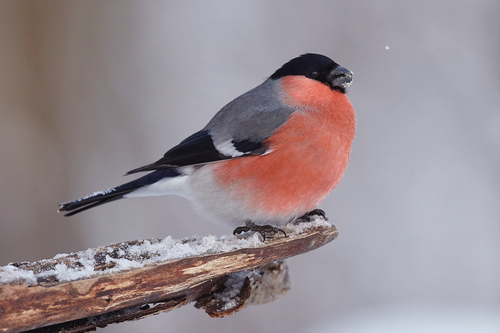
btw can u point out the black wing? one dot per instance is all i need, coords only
(198, 148)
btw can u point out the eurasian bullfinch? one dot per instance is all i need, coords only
(268, 157)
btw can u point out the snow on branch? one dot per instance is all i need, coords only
(80, 291)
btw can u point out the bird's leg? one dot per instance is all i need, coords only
(261, 229)
(315, 212)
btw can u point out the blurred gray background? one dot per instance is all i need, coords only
(92, 89)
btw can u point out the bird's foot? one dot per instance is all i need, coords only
(263, 230)
(307, 217)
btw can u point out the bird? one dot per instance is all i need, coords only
(267, 158)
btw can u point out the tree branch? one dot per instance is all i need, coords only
(127, 281)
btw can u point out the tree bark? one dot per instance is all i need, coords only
(44, 302)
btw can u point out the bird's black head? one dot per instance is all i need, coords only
(319, 68)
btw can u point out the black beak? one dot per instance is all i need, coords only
(340, 78)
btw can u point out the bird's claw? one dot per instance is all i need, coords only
(263, 230)
(315, 212)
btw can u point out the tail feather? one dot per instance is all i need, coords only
(80, 205)
(99, 198)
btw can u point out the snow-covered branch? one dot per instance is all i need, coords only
(126, 281)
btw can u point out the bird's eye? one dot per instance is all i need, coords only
(313, 74)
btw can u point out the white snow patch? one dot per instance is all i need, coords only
(303, 226)
(11, 273)
(124, 256)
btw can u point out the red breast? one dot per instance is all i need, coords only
(309, 153)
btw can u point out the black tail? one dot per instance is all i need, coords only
(116, 193)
